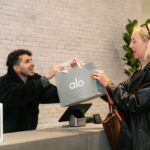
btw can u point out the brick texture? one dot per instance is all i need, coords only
(58, 30)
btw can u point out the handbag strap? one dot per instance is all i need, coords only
(111, 104)
(110, 108)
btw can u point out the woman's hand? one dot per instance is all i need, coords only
(52, 71)
(101, 77)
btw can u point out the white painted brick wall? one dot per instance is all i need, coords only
(57, 30)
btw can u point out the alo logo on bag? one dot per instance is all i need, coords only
(76, 84)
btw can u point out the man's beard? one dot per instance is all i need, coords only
(26, 75)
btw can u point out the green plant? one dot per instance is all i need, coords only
(129, 59)
(147, 21)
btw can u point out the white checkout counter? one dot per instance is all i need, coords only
(89, 137)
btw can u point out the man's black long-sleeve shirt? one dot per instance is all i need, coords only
(21, 100)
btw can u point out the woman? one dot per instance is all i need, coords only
(133, 96)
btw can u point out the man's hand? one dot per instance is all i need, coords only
(75, 61)
(52, 71)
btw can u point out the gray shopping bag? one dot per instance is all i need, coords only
(77, 86)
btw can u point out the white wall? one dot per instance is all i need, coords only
(145, 10)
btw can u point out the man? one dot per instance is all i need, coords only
(22, 90)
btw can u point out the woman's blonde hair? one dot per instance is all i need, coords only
(144, 32)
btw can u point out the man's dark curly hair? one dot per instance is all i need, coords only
(13, 57)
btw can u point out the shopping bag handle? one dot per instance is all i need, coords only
(78, 64)
(66, 70)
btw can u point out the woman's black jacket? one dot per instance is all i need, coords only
(133, 99)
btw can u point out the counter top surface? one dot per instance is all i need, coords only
(50, 133)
